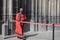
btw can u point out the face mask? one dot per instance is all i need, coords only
(21, 10)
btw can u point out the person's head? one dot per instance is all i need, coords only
(21, 9)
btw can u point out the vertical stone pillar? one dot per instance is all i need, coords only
(47, 17)
(54, 11)
(58, 9)
(9, 5)
(43, 17)
(40, 11)
(35, 4)
(58, 13)
(49, 10)
(9, 13)
(4, 10)
(54, 8)
(4, 17)
(32, 16)
(43, 8)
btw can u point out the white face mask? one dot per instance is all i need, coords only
(21, 10)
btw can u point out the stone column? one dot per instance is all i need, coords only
(4, 10)
(35, 4)
(58, 13)
(53, 10)
(32, 16)
(9, 5)
(9, 13)
(49, 10)
(4, 17)
(40, 11)
(43, 14)
(58, 9)
(16, 6)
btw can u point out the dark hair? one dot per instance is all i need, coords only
(19, 9)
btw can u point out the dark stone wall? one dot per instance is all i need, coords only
(1, 12)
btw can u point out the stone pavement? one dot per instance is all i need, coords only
(41, 35)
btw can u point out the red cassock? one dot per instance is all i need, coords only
(19, 17)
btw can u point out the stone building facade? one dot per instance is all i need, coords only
(45, 11)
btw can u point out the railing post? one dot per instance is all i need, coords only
(53, 32)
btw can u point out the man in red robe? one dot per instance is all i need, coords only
(19, 25)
